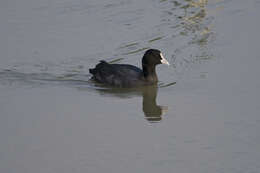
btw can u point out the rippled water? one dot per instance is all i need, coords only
(203, 116)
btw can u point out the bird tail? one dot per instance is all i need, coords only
(94, 70)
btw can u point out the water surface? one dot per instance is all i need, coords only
(203, 116)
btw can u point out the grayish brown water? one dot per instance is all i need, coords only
(203, 117)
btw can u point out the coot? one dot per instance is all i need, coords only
(125, 75)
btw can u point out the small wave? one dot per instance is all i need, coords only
(16, 79)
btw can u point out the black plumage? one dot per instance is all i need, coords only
(125, 75)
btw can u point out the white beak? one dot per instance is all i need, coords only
(163, 60)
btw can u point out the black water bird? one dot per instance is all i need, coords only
(125, 75)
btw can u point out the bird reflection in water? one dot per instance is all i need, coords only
(152, 112)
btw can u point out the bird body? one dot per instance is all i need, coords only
(125, 75)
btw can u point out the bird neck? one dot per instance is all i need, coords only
(150, 73)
